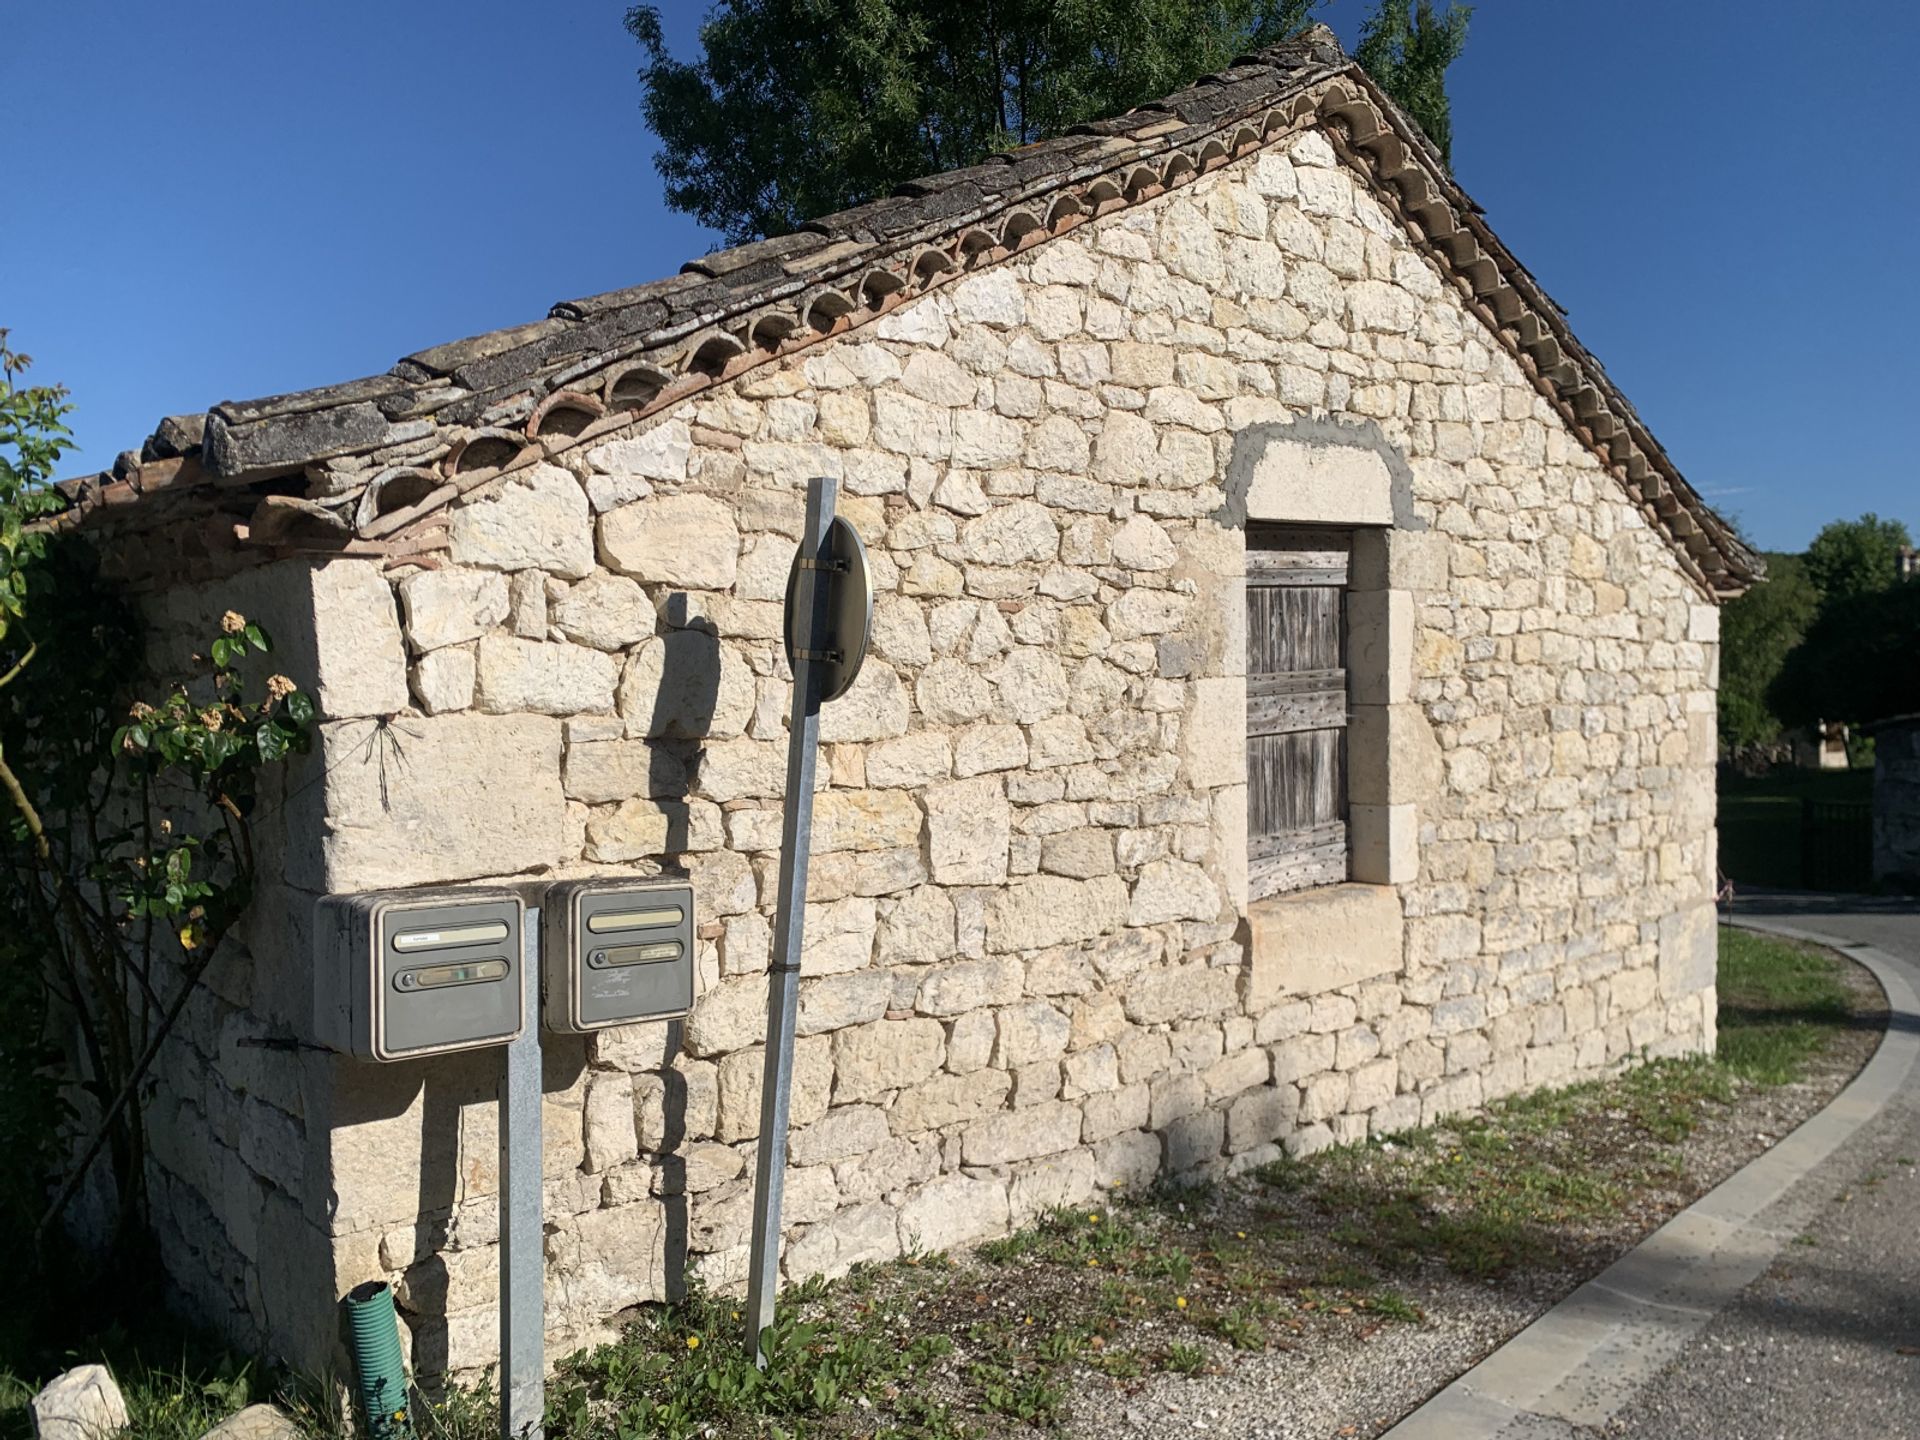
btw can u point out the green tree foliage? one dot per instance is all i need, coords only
(1757, 634)
(1407, 48)
(33, 437)
(796, 108)
(1851, 558)
(126, 849)
(1860, 661)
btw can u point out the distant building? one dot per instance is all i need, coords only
(1909, 562)
(1821, 746)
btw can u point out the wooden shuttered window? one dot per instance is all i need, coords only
(1296, 708)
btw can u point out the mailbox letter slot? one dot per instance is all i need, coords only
(616, 952)
(401, 973)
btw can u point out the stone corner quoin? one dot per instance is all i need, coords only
(1032, 970)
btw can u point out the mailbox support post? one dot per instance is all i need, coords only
(522, 1265)
(803, 736)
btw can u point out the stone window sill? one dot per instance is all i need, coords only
(1307, 942)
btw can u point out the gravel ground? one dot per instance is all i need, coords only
(1361, 1378)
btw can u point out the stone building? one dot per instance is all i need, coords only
(1290, 716)
(1896, 801)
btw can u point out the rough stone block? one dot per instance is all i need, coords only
(443, 680)
(452, 606)
(1021, 1134)
(1029, 1033)
(949, 1100)
(1194, 1141)
(686, 685)
(1261, 1116)
(834, 1002)
(1042, 1185)
(515, 676)
(336, 631)
(969, 826)
(1215, 734)
(869, 1060)
(952, 1211)
(1179, 992)
(535, 520)
(962, 986)
(1173, 890)
(741, 1076)
(910, 761)
(642, 828)
(385, 815)
(1689, 950)
(1046, 910)
(684, 540)
(599, 771)
(860, 1234)
(864, 820)
(608, 612)
(843, 1133)
(875, 707)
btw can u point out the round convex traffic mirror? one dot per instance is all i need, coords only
(842, 568)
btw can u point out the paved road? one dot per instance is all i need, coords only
(1827, 1342)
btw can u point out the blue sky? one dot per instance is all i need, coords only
(221, 199)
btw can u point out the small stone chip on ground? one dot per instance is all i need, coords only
(256, 1422)
(84, 1403)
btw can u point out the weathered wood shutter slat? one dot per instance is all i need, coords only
(1296, 709)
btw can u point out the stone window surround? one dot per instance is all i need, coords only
(1317, 472)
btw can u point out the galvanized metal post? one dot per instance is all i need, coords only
(803, 738)
(522, 1268)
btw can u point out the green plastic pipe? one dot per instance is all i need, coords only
(375, 1336)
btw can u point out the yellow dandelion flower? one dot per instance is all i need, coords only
(1093, 1219)
(693, 1342)
(1179, 1302)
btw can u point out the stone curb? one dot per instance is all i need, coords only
(1582, 1362)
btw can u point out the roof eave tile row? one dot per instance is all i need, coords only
(362, 466)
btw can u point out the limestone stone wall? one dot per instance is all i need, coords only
(1896, 803)
(240, 1154)
(1032, 970)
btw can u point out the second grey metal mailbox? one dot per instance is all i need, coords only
(617, 951)
(400, 973)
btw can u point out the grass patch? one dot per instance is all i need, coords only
(1780, 1002)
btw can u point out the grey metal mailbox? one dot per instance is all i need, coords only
(616, 951)
(401, 973)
